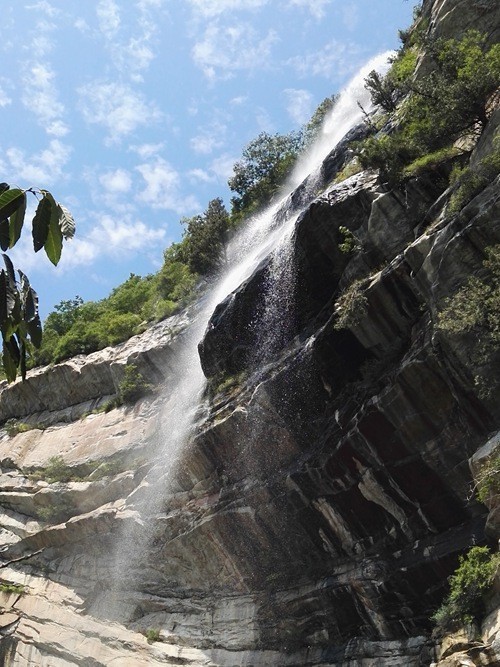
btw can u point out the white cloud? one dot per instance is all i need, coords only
(299, 104)
(226, 49)
(222, 166)
(238, 101)
(5, 100)
(117, 181)
(350, 16)
(130, 54)
(117, 107)
(43, 6)
(41, 169)
(108, 15)
(216, 7)
(162, 189)
(209, 138)
(200, 175)
(145, 151)
(40, 97)
(316, 7)
(336, 59)
(113, 238)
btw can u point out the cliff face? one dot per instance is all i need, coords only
(324, 495)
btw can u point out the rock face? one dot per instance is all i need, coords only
(323, 493)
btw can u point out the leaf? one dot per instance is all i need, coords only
(35, 331)
(41, 222)
(3, 187)
(8, 293)
(66, 222)
(30, 298)
(4, 234)
(16, 223)
(9, 363)
(54, 240)
(10, 201)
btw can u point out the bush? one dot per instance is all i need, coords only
(473, 577)
(489, 479)
(351, 305)
(471, 180)
(9, 587)
(475, 310)
(132, 386)
(153, 635)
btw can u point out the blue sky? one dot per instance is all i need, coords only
(133, 112)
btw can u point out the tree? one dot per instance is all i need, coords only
(205, 239)
(266, 162)
(449, 103)
(312, 128)
(19, 318)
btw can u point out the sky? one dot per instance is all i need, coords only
(133, 112)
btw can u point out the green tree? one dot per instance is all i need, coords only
(312, 128)
(19, 318)
(205, 239)
(447, 104)
(265, 163)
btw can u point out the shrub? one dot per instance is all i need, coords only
(132, 386)
(57, 470)
(13, 427)
(473, 577)
(430, 161)
(9, 587)
(475, 310)
(488, 479)
(349, 243)
(471, 180)
(351, 305)
(153, 635)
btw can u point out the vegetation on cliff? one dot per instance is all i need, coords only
(470, 581)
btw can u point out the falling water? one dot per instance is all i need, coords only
(268, 234)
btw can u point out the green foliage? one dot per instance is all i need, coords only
(9, 587)
(489, 479)
(153, 635)
(132, 386)
(19, 319)
(353, 167)
(205, 239)
(431, 161)
(312, 128)
(471, 180)
(351, 305)
(473, 577)
(349, 243)
(475, 310)
(13, 427)
(57, 470)
(386, 90)
(445, 105)
(265, 163)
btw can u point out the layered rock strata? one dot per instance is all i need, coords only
(324, 495)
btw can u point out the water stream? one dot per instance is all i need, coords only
(267, 234)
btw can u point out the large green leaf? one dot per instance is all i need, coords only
(54, 240)
(35, 331)
(66, 222)
(16, 223)
(9, 296)
(9, 361)
(41, 222)
(10, 201)
(4, 234)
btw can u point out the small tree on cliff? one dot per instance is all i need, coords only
(265, 163)
(19, 318)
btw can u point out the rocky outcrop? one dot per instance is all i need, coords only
(314, 509)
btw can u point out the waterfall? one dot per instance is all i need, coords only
(269, 233)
